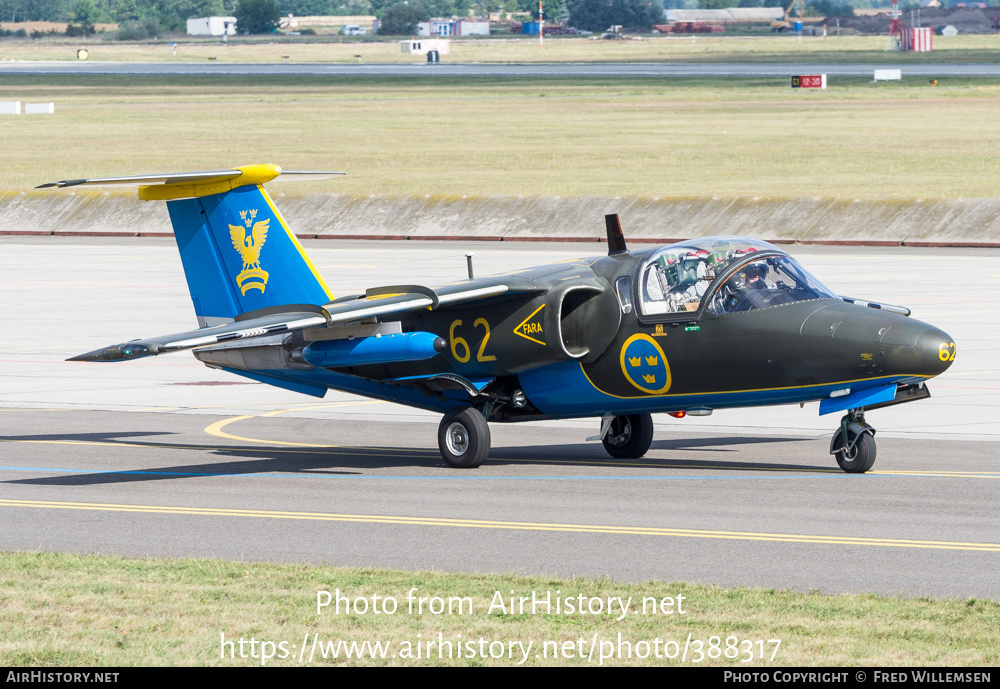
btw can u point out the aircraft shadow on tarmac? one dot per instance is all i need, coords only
(355, 461)
(593, 453)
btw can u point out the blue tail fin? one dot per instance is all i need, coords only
(239, 255)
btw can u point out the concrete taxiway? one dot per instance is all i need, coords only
(491, 71)
(163, 456)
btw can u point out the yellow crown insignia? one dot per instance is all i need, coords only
(634, 360)
(649, 378)
(651, 360)
(249, 246)
(251, 213)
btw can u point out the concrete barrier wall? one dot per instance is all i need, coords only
(968, 221)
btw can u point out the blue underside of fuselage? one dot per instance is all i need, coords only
(563, 391)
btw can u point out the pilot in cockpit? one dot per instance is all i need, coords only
(733, 295)
(753, 275)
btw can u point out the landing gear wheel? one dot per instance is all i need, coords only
(464, 438)
(860, 457)
(629, 436)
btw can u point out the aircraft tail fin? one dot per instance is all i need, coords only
(238, 253)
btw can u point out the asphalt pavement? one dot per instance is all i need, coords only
(492, 70)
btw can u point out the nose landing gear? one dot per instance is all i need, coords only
(853, 444)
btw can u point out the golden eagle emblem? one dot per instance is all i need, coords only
(249, 246)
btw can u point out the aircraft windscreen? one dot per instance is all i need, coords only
(771, 281)
(676, 278)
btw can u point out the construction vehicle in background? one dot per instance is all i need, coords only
(785, 23)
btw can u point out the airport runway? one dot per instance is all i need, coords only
(487, 70)
(166, 457)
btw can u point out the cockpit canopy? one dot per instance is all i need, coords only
(730, 274)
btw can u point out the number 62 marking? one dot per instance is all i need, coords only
(946, 352)
(460, 343)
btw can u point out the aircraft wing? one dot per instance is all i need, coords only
(238, 330)
(376, 302)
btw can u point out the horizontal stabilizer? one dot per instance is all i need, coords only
(171, 178)
(177, 185)
(187, 178)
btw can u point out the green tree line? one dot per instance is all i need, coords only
(170, 14)
(173, 13)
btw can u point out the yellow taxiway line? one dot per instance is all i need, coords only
(516, 526)
(216, 430)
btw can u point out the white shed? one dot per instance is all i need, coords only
(211, 26)
(420, 46)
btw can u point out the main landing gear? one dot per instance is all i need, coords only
(464, 438)
(629, 437)
(853, 444)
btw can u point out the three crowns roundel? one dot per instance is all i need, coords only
(644, 364)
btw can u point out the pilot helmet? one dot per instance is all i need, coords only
(754, 272)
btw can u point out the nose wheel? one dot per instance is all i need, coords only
(629, 437)
(464, 438)
(853, 445)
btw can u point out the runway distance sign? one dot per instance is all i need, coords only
(809, 81)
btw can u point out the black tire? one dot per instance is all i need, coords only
(464, 438)
(629, 436)
(862, 456)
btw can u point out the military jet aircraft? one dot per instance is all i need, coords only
(682, 329)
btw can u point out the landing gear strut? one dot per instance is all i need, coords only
(853, 444)
(464, 438)
(629, 437)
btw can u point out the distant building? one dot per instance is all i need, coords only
(436, 27)
(730, 15)
(328, 24)
(211, 26)
(418, 46)
(453, 27)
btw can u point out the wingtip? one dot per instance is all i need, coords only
(62, 183)
(89, 356)
(118, 352)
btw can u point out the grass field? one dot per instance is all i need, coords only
(71, 610)
(694, 48)
(631, 137)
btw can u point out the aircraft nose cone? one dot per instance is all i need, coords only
(934, 351)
